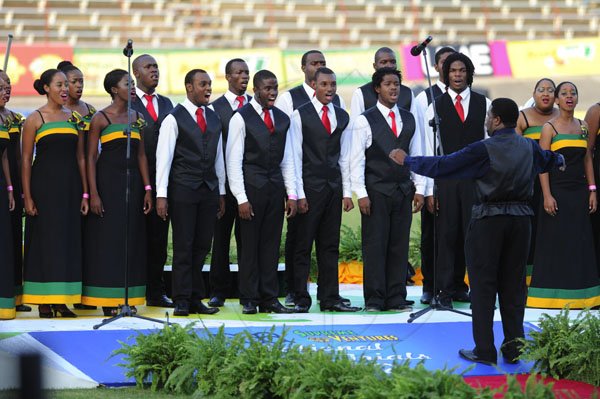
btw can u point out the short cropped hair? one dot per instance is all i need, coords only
(507, 110)
(379, 74)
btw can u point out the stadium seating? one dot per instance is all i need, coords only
(293, 23)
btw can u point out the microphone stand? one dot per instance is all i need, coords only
(125, 309)
(435, 125)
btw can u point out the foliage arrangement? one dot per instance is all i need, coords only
(566, 348)
(350, 244)
(249, 366)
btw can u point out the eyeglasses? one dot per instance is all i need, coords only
(550, 90)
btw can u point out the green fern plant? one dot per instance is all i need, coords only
(350, 244)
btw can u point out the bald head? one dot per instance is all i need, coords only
(384, 58)
(145, 70)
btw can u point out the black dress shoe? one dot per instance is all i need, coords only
(81, 306)
(301, 308)
(216, 302)
(373, 308)
(461, 296)
(426, 297)
(162, 302)
(400, 308)
(25, 308)
(473, 357)
(345, 301)
(445, 301)
(199, 308)
(249, 309)
(289, 300)
(181, 309)
(339, 307)
(274, 307)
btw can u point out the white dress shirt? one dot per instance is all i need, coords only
(284, 102)
(234, 155)
(232, 100)
(428, 130)
(167, 140)
(345, 142)
(140, 93)
(362, 138)
(357, 105)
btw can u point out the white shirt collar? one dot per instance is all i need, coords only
(256, 105)
(140, 93)
(190, 106)
(385, 111)
(309, 90)
(319, 105)
(232, 97)
(464, 94)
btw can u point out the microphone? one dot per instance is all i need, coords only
(416, 50)
(128, 50)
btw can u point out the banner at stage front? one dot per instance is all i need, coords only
(213, 62)
(554, 58)
(351, 67)
(26, 64)
(489, 59)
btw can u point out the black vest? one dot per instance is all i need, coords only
(195, 152)
(150, 132)
(263, 151)
(370, 96)
(507, 187)
(321, 150)
(381, 173)
(225, 112)
(454, 134)
(437, 92)
(299, 97)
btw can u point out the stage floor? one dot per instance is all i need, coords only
(75, 355)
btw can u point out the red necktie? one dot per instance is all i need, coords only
(268, 120)
(240, 100)
(200, 119)
(150, 106)
(394, 128)
(459, 108)
(325, 119)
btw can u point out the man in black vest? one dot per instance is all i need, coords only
(385, 192)
(154, 108)
(462, 115)
(237, 75)
(321, 140)
(427, 220)
(260, 167)
(365, 97)
(190, 172)
(503, 168)
(288, 102)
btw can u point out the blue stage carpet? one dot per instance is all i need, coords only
(436, 344)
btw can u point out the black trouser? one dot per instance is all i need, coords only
(290, 254)
(261, 236)
(193, 215)
(497, 249)
(220, 275)
(427, 248)
(455, 203)
(385, 237)
(321, 224)
(157, 237)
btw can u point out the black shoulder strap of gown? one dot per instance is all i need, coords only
(41, 116)
(555, 131)
(105, 117)
(525, 117)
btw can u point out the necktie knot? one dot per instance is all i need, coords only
(268, 120)
(325, 119)
(458, 98)
(200, 119)
(150, 106)
(394, 127)
(240, 100)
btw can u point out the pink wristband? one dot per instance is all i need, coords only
(9, 188)
(592, 187)
(148, 188)
(86, 196)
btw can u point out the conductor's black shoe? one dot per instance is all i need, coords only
(400, 308)
(445, 301)
(25, 308)
(162, 301)
(216, 302)
(289, 300)
(339, 307)
(274, 307)
(301, 308)
(249, 308)
(426, 297)
(510, 358)
(181, 309)
(373, 308)
(200, 308)
(470, 355)
(461, 296)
